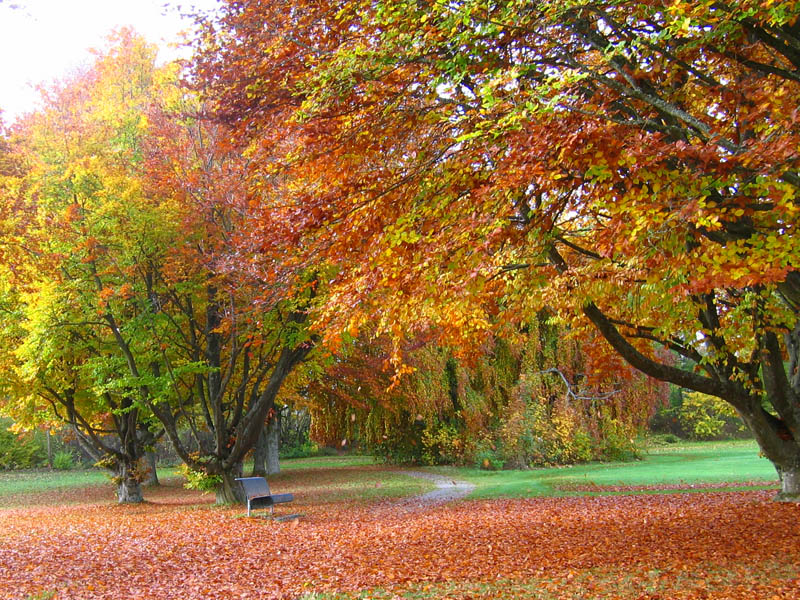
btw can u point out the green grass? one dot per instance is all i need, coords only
(326, 462)
(42, 480)
(23, 482)
(349, 484)
(687, 463)
(675, 464)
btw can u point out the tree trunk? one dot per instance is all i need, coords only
(260, 454)
(273, 435)
(230, 491)
(149, 467)
(129, 488)
(49, 449)
(790, 484)
(265, 454)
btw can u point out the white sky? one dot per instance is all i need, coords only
(44, 40)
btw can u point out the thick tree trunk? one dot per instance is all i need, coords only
(230, 491)
(790, 485)
(790, 482)
(273, 435)
(129, 488)
(265, 455)
(776, 430)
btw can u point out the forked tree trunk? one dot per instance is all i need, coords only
(129, 488)
(230, 491)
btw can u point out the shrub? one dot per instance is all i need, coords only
(63, 461)
(441, 445)
(487, 457)
(707, 417)
(197, 480)
(303, 450)
(615, 443)
(19, 451)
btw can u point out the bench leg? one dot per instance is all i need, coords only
(248, 507)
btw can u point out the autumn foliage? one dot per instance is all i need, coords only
(631, 166)
(542, 399)
(657, 546)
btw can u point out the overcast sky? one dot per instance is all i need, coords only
(44, 40)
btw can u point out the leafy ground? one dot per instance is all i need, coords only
(356, 540)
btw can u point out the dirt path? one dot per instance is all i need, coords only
(447, 490)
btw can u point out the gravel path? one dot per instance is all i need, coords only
(447, 490)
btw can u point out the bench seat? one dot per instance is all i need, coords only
(256, 490)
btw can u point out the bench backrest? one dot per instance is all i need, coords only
(254, 487)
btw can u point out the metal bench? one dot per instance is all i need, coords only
(256, 490)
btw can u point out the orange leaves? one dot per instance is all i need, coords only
(735, 545)
(106, 293)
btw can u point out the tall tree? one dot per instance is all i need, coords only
(633, 166)
(229, 315)
(81, 227)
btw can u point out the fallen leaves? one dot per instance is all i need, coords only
(722, 545)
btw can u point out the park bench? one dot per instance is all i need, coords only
(256, 490)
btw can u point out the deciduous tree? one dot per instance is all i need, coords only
(245, 330)
(80, 229)
(631, 165)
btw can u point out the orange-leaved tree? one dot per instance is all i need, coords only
(630, 165)
(539, 399)
(235, 318)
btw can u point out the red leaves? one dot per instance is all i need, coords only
(723, 545)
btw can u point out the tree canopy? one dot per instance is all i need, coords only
(447, 169)
(631, 165)
(128, 319)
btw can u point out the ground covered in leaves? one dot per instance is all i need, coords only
(355, 541)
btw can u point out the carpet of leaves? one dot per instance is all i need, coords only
(178, 546)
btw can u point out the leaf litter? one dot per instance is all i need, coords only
(179, 546)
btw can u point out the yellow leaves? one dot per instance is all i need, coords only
(709, 221)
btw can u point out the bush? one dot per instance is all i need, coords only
(487, 457)
(304, 450)
(707, 417)
(615, 443)
(441, 445)
(197, 480)
(400, 441)
(19, 451)
(63, 461)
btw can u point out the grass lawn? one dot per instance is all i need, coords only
(686, 464)
(332, 478)
(327, 462)
(23, 482)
